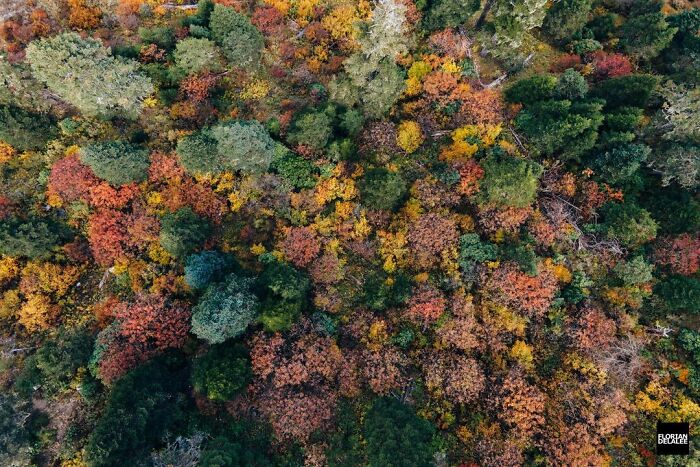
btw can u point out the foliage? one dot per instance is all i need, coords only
(509, 181)
(86, 75)
(206, 267)
(646, 33)
(182, 232)
(239, 39)
(381, 189)
(193, 55)
(629, 224)
(117, 162)
(396, 436)
(566, 18)
(225, 310)
(24, 130)
(34, 238)
(449, 13)
(222, 372)
(312, 129)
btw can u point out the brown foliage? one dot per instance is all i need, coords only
(430, 235)
(513, 288)
(301, 246)
(453, 376)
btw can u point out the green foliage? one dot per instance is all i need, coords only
(222, 372)
(238, 444)
(473, 251)
(690, 342)
(529, 91)
(117, 162)
(628, 223)
(56, 362)
(376, 88)
(15, 449)
(84, 73)
(162, 36)
(239, 39)
(395, 436)
(25, 130)
(33, 238)
(678, 162)
(635, 271)
(312, 129)
(225, 310)
(196, 55)
(230, 146)
(679, 294)
(380, 295)
(571, 85)
(142, 406)
(566, 18)
(205, 267)
(621, 162)
(345, 447)
(626, 91)
(449, 13)
(382, 189)
(182, 232)
(285, 291)
(299, 172)
(646, 33)
(509, 181)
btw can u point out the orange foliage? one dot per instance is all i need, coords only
(82, 16)
(527, 294)
(680, 254)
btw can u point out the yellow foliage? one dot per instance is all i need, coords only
(256, 89)
(378, 335)
(361, 229)
(9, 269)
(9, 304)
(334, 188)
(587, 369)
(451, 67)
(237, 201)
(419, 70)
(7, 152)
(150, 102)
(522, 353)
(560, 271)
(344, 209)
(410, 136)
(340, 23)
(158, 254)
(48, 278)
(448, 262)
(54, 200)
(412, 209)
(507, 320)
(37, 312)
(257, 249)
(413, 87)
(392, 248)
(467, 139)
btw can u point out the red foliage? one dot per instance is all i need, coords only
(426, 305)
(521, 405)
(384, 370)
(594, 330)
(296, 415)
(268, 19)
(609, 65)
(449, 42)
(71, 180)
(680, 254)
(430, 235)
(301, 246)
(565, 62)
(105, 195)
(508, 220)
(326, 269)
(197, 87)
(527, 294)
(165, 168)
(456, 377)
(479, 106)
(107, 235)
(470, 173)
(143, 329)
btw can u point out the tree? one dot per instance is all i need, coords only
(225, 310)
(454, 377)
(530, 294)
(301, 246)
(679, 294)
(285, 290)
(117, 162)
(382, 189)
(628, 223)
(235, 145)
(646, 33)
(512, 19)
(182, 232)
(626, 91)
(193, 55)
(239, 39)
(677, 162)
(509, 182)
(25, 130)
(33, 238)
(430, 235)
(141, 407)
(222, 372)
(206, 267)
(84, 73)
(449, 13)
(566, 18)
(621, 162)
(409, 137)
(395, 436)
(312, 129)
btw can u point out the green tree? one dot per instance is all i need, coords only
(395, 436)
(626, 91)
(646, 33)
(222, 372)
(85, 74)
(532, 90)
(284, 290)
(635, 271)
(312, 129)
(141, 407)
(205, 267)
(299, 172)
(679, 294)
(235, 145)
(382, 189)
(621, 162)
(566, 18)
(15, 448)
(225, 310)
(182, 232)
(241, 42)
(449, 13)
(25, 130)
(116, 161)
(678, 162)
(509, 181)
(628, 223)
(33, 238)
(194, 55)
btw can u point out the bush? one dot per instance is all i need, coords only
(225, 310)
(222, 372)
(382, 189)
(182, 232)
(117, 162)
(395, 436)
